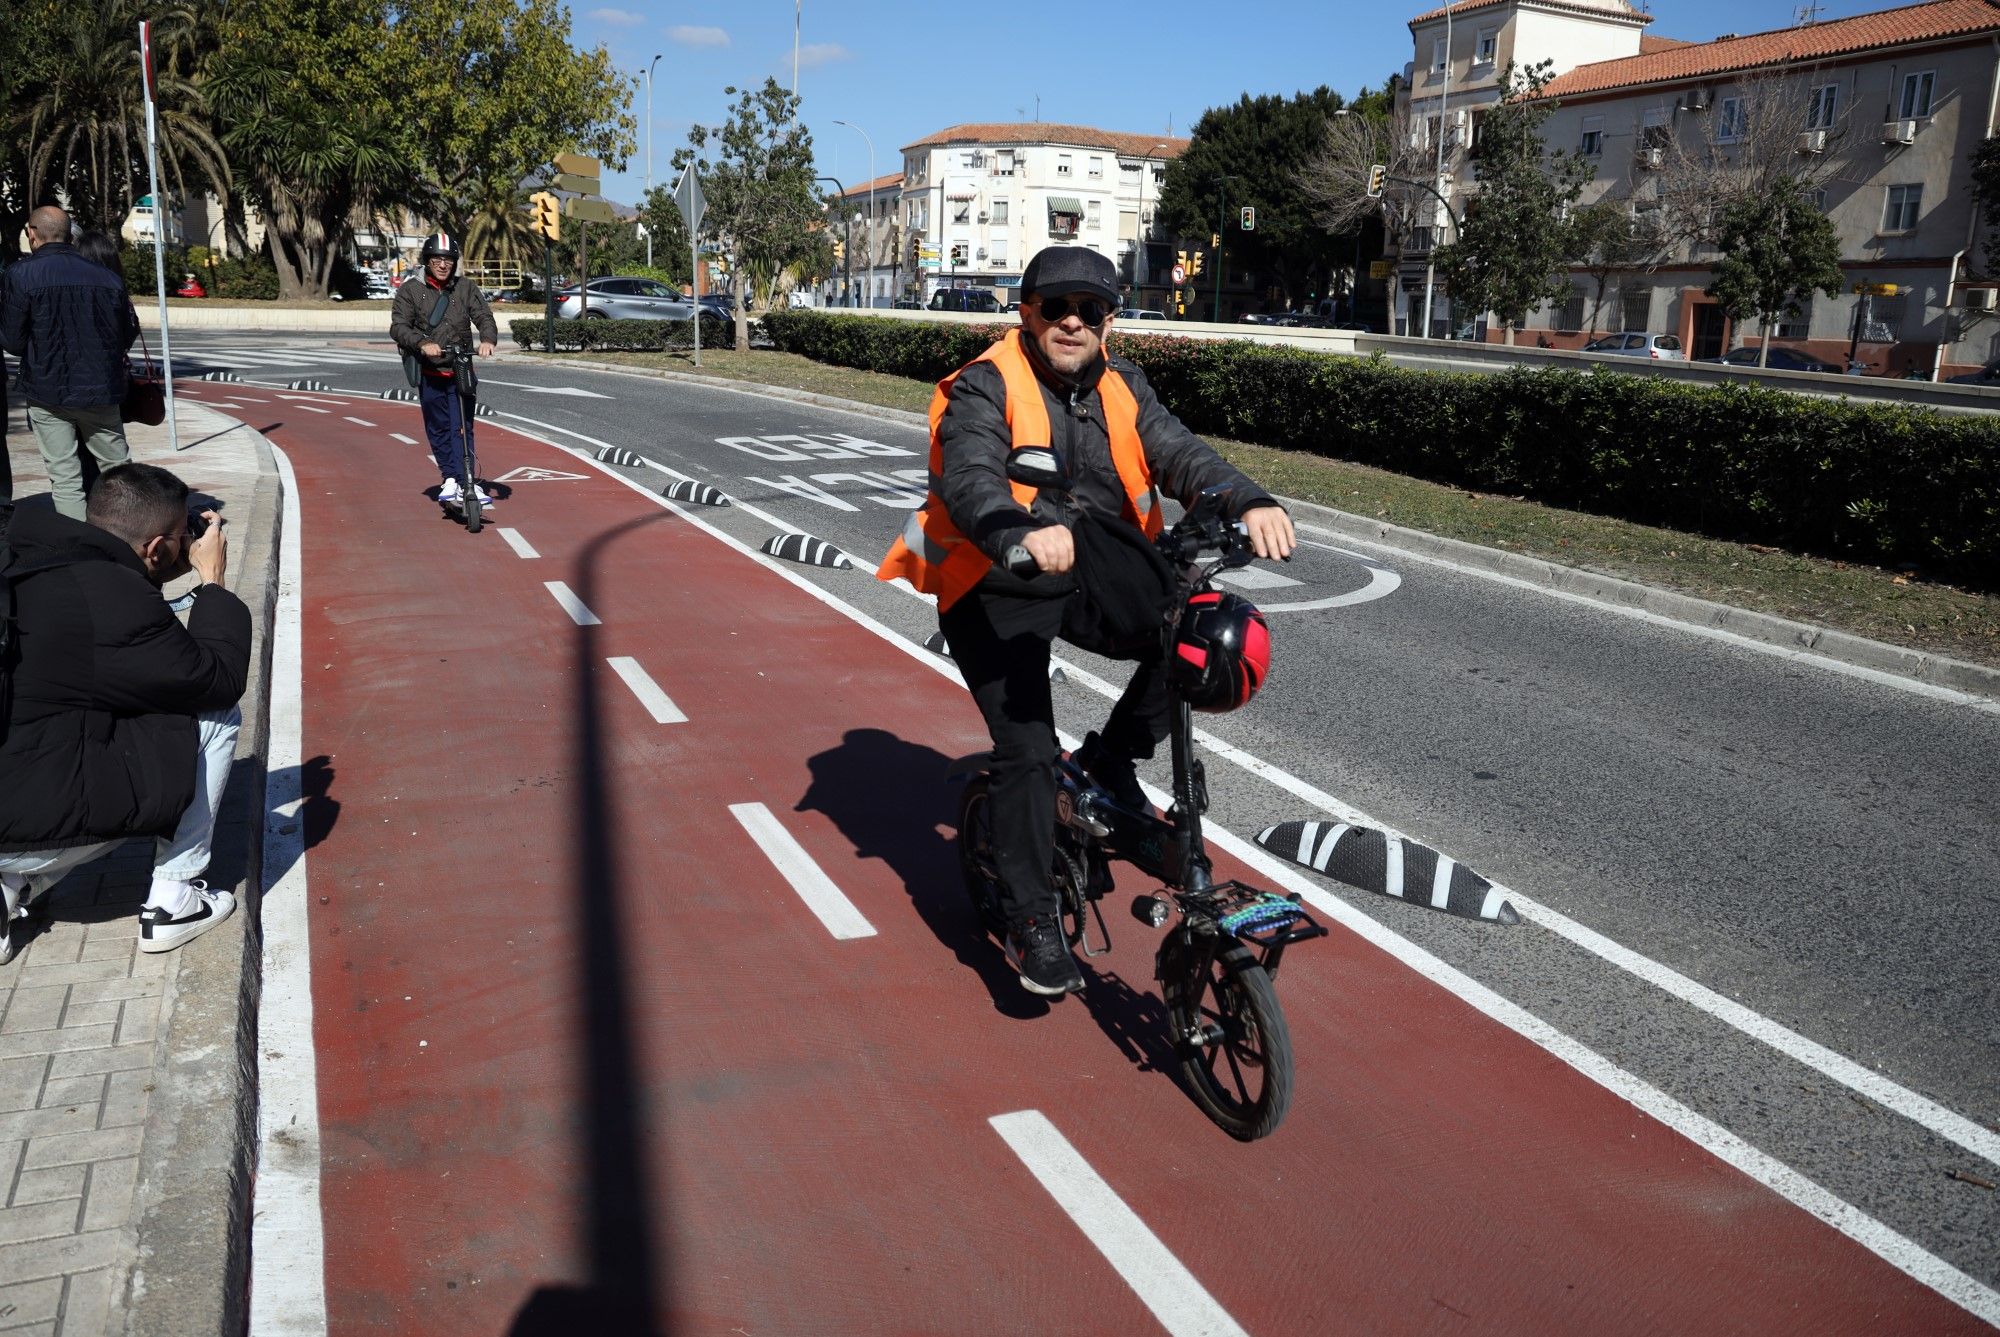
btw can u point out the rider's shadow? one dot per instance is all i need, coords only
(894, 801)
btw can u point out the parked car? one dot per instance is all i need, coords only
(1781, 359)
(376, 287)
(1986, 375)
(1660, 347)
(908, 304)
(721, 305)
(625, 299)
(964, 299)
(190, 287)
(1141, 313)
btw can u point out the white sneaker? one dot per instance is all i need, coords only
(448, 494)
(161, 932)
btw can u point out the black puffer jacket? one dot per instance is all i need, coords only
(976, 439)
(70, 322)
(101, 737)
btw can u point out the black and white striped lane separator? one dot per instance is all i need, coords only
(307, 385)
(807, 551)
(618, 455)
(701, 494)
(408, 396)
(221, 376)
(1364, 857)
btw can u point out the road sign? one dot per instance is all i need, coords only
(1179, 275)
(589, 211)
(690, 201)
(1380, 269)
(578, 165)
(576, 185)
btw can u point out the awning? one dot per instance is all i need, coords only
(1065, 204)
(962, 195)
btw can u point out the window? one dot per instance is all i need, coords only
(1003, 163)
(999, 213)
(1818, 200)
(1431, 124)
(1591, 143)
(961, 211)
(1420, 240)
(1822, 104)
(1437, 56)
(1097, 169)
(1917, 91)
(1655, 128)
(1796, 324)
(1092, 215)
(1062, 164)
(1635, 308)
(1899, 211)
(1729, 121)
(999, 250)
(1572, 310)
(1489, 43)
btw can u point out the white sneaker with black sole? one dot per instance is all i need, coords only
(162, 932)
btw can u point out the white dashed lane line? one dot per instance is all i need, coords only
(310, 409)
(572, 605)
(406, 440)
(814, 887)
(657, 703)
(521, 546)
(1181, 1304)
(358, 422)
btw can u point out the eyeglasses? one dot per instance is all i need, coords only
(1092, 311)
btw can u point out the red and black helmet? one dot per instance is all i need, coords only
(1221, 652)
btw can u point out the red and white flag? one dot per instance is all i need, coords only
(146, 54)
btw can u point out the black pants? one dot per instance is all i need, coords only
(1001, 645)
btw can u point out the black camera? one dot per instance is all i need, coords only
(197, 523)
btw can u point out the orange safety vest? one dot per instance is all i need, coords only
(932, 555)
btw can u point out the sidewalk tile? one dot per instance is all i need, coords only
(57, 1042)
(80, 1061)
(105, 991)
(64, 1253)
(109, 1201)
(43, 1123)
(85, 1090)
(58, 1181)
(57, 943)
(70, 1148)
(127, 1100)
(90, 1014)
(35, 1009)
(21, 1081)
(87, 1307)
(67, 972)
(30, 1301)
(140, 1019)
(109, 949)
(41, 1221)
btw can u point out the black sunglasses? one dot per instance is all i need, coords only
(1092, 311)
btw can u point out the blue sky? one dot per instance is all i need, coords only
(900, 70)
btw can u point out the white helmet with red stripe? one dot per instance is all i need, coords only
(440, 245)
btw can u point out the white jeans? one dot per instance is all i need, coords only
(176, 861)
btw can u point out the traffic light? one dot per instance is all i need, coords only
(1195, 264)
(1181, 259)
(1214, 240)
(958, 253)
(839, 250)
(1249, 218)
(1378, 176)
(545, 215)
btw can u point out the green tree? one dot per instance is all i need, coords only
(762, 205)
(1603, 242)
(1778, 249)
(1513, 250)
(670, 237)
(1986, 192)
(1262, 145)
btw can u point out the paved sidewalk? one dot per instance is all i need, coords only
(127, 1087)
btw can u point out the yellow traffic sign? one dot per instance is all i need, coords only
(589, 211)
(578, 165)
(1380, 269)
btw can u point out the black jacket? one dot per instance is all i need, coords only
(101, 738)
(976, 439)
(69, 321)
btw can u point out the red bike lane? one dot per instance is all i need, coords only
(587, 1062)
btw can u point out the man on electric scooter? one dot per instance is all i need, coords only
(1051, 383)
(436, 310)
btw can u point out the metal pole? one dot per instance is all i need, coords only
(1222, 211)
(871, 205)
(797, 5)
(694, 278)
(159, 231)
(1444, 105)
(649, 156)
(548, 295)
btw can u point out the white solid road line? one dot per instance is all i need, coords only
(288, 1271)
(572, 605)
(407, 440)
(1780, 1178)
(310, 409)
(1182, 1305)
(814, 887)
(521, 546)
(358, 422)
(657, 703)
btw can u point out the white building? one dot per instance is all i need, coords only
(978, 201)
(867, 225)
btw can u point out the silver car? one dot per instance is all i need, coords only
(1660, 347)
(625, 299)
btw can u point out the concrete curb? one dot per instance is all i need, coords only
(197, 1160)
(1766, 628)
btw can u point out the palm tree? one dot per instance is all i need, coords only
(497, 228)
(85, 120)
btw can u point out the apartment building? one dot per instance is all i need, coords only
(1890, 106)
(978, 201)
(877, 268)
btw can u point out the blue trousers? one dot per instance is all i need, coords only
(443, 410)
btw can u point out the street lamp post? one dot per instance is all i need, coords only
(842, 195)
(1221, 214)
(649, 153)
(1444, 108)
(869, 278)
(1139, 257)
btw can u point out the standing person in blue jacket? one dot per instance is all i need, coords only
(70, 324)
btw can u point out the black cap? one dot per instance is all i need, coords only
(1056, 270)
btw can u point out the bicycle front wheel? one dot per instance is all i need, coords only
(1236, 1051)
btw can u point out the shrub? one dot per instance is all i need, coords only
(1879, 482)
(621, 336)
(249, 278)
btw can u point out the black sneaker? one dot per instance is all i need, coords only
(1115, 774)
(1039, 951)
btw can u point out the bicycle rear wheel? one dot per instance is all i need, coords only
(976, 859)
(1236, 1051)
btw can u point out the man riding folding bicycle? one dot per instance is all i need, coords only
(1051, 383)
(436, 311)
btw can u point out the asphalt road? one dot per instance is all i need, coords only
(1819, 850)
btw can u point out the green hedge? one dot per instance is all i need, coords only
(623, 336)
(1880, 483)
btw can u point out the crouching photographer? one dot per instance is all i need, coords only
(119, 721)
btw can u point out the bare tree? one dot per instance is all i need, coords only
(1334, 177)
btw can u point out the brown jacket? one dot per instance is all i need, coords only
(409, 319)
